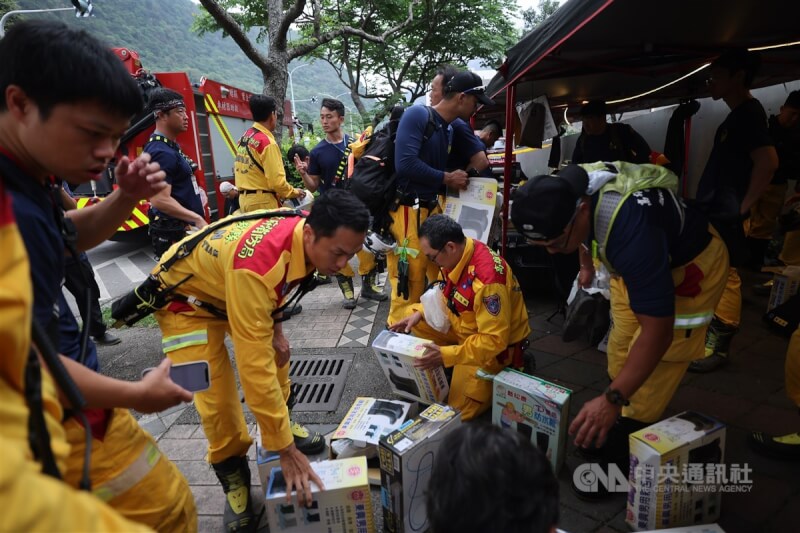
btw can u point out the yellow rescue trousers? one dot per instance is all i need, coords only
(35, 502)
(764, 213)
(729, 309)
(366, 263)
(790, 254)
(252, 201)
(692, 317)
(793, 368)
(405, 226)
(130, 474)
(220, 407)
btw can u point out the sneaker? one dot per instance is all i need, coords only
(308, 443)
(346, 285)
(783, 447)
(107, 339)
(579, 313)
(322, 280)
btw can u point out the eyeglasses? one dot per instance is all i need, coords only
(433, 259)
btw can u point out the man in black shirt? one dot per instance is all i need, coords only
(739, 169)
(601, 141)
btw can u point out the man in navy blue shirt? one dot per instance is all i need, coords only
(179, 206)
(327, 169)
(670, 270)
(421, 160)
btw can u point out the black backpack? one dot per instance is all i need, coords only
(374, 179)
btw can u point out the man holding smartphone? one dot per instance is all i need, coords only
(236, 281)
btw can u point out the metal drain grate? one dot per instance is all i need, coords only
(318, 380)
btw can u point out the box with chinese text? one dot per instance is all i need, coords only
(344, 505)
(677, 474)
(784, 285)
(368, 419)
(534, 407)
(396, 353)
(407, 457)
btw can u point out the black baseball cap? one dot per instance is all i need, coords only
(594, 108)
(545, 204)
(793, 100)
(468, 83)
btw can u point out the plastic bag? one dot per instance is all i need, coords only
(435, 309)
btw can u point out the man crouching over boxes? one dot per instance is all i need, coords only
(487, 323)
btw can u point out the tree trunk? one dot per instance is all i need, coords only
(275, 85)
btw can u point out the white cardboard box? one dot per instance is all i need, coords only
(407, 457)
(673, 472)
(784, 285)
(344, 506)
(368, 419)
(534, 407)
(396, 353)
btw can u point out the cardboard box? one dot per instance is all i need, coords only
(343, 506)
(534, 407)
(368, 419)
(396, 353)
(784, 286)
(704, 528)
(673, 471)
(407, 457)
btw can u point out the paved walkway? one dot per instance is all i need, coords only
(747, 395)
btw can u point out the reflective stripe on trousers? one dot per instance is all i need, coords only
(176, 342)
(131, 476)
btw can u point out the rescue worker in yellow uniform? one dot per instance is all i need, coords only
(488, 322)
(73, 133)
(32, 500)
(669, 269)
(763, 220)
(258, 166)
(235, 281)
(424, 138)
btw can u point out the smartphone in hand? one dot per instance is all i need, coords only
(193, 376)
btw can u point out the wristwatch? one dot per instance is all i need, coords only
(615, 397)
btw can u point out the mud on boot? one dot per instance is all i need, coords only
(234, 475)
(369, 289)
(346, 285)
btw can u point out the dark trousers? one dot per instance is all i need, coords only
(78, 279)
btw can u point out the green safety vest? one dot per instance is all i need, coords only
(629, 179)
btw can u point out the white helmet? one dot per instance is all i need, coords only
(379, 244)
(302, 202)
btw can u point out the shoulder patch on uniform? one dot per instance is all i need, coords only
(492, 304)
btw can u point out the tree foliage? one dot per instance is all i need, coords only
(441, 32)
(273, 19)
(532, 17)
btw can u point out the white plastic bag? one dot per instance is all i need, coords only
(435, 309)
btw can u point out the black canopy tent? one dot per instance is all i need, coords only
(637, 54)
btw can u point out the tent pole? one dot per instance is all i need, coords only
(511, 94)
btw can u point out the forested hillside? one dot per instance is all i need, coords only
(160, 31)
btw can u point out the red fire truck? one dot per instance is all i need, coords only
(218, 115)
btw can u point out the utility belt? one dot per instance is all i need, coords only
(255, 191)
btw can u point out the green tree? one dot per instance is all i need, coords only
(532, 17)
(441, 32)
(274, 18)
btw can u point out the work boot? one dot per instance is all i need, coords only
(107, 339)
(322, 280)
(369, 289)
(307, 442)
(346, 284)
(758, 249)
(234, 474)
(718, 343)
(783, 447)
